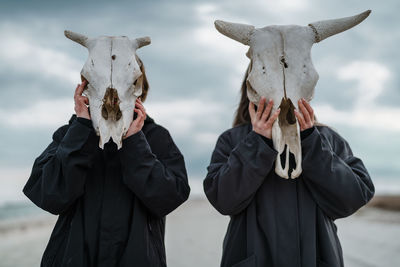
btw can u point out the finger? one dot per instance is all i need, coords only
(273, 117)
(300, 119)
(309, 108)
(138, 111)
(138, 102)
(142, 114)
(260, 107)
(76, 90)
(139, 114)
(130, 126)
(267, 110)
(303, 110)
(82, 99)
(79, 89)
(85, 100)
(139, 105)
(252, 110)
(142, 117)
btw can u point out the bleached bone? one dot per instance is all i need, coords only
(77, 37)
(281, 69)
(326, 28)
(114, 82)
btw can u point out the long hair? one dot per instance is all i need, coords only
(242, 115)
(145, 83)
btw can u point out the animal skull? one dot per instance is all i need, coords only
(281, 69)
(114, 82)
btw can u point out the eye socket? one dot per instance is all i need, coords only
(137, 79)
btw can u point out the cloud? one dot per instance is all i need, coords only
(384, 118)
(187, 117)
(284, 5)
(42, 114)
(371, 78)
(26, 56)
(223, 51)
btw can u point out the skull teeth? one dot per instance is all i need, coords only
(287, 137)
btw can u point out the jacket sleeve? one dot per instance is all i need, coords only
(58, 174)
(157, 177)
(338, 181)
(235, 173)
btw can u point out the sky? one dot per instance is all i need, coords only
(195, 74)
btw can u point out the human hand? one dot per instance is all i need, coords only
(81, 101)
(136, 124)
(306, 117)
(262, 120)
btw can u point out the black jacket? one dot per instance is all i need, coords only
(284, 222)
(111, 203)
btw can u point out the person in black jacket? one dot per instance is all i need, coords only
(283, 222)
(111, 203)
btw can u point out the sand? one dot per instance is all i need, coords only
(195, 231)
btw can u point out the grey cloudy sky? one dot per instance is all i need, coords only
(195, 74)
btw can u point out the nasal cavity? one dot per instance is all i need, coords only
(110, 109)
(287, 111)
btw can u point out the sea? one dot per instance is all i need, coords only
(15, 205)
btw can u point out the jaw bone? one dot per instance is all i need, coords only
(287, 135)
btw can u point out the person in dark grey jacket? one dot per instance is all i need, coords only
(111, 203)
(276, 222)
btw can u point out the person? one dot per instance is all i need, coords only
(276, 221)
(111, 204)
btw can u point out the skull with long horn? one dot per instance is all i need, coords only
(281, 69)
(115, 79)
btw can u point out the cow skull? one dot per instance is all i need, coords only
(114, 82)
(281, 69)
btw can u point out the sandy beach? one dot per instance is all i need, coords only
(194, 234)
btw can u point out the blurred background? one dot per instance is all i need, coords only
(195, 75)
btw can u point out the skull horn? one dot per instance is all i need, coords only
(142, 41)
(326, 28)
(77, 37)
(235, 31)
